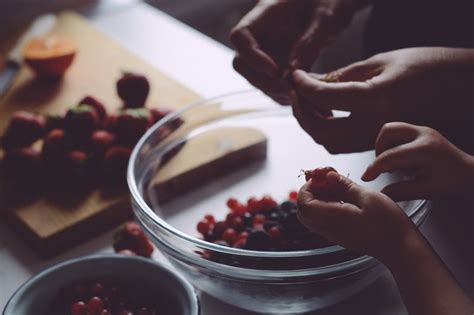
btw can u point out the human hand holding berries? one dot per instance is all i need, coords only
(358, 219)
(438, 168)
(369, 222)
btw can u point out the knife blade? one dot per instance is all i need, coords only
(39, 26)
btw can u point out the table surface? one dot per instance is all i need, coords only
(204, 65)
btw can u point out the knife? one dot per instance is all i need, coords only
(40, 25)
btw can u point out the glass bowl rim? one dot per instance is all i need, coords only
(162, 224)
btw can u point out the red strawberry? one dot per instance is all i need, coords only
(55, 146)
(115, 163)
(54, 122)
(101, 140)
(95, 104)
(22, 163)
(110, 122)
(77, 164)
(318, 177)
(157, 114)
(130, 236)
(132, 124)
(81, 121)
(24, 129)
(133, 89)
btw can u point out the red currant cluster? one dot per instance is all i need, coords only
(261, 224)
(102, 298)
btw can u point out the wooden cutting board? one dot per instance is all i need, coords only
(51, 225)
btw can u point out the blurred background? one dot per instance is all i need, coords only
(214, 18)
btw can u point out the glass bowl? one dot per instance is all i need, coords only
(241, 145)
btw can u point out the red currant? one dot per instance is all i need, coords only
(293, 195)
(95, 305)
(267, 202)
(253, 204)
(229, 236)
(79, 308)
(210, 218)
(242, 235)
(258, 219)
(237, 223)
(203, 227)
(232, 203)
(106, 312)
(275, 233)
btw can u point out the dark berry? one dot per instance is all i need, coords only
(133, 89)
(24, 128)
(258, 240)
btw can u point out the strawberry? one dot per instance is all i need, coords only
(115, 163)
(22, 163)
(24, 129)
(54, 122)
(110, 122)
(133, 89)
(130, 236)
(81, 120)
(132, 124)
(101, 140)
(56, 145)
(77, 165)
(95, 104)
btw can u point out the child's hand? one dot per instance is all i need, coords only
(438, 167)
(363, 220)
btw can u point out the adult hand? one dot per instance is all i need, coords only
(360, 223)
(437, 167)
(277, 36)
(426, 86)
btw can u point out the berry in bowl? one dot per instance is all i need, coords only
(105, 285)
(217, 196)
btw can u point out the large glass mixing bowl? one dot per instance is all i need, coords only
(242, 145)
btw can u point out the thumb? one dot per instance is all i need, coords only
(345, 189)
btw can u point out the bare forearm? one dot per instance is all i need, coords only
(425, 284)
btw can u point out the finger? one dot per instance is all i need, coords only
(346, 96)
(407, 190)
(310, 207)
(338, 134)
(277, 88)
(393, 134)
(359, 71)
(307, 47)
(247, 47)
(345, 189)
(398, 158)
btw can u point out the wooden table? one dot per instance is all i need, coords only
(205, 66)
